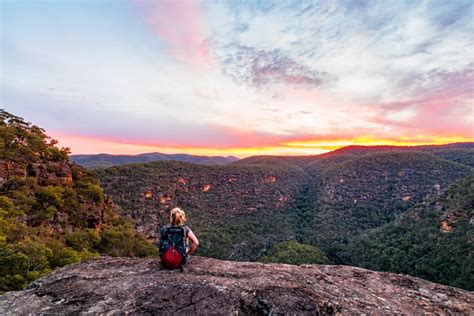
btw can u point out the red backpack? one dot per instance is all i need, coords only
(173, 246)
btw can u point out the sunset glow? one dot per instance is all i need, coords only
(239, 78)
(293, 148)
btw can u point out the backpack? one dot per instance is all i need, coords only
(173, 246)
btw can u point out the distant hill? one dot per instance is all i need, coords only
(457, 152)
(361, 149)
(106, 160)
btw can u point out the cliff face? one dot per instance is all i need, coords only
(210, 286)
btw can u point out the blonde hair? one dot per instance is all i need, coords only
(177, 216)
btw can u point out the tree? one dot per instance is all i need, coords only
(293, 252)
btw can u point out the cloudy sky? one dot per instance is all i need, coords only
(239, 77)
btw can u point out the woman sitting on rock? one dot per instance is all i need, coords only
(174, 240)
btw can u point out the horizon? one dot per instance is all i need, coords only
(239, 79)
(243, 157)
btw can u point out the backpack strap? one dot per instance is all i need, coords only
(185, 235)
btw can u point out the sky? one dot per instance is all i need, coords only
(239, 77)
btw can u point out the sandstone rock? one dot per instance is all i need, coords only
(5, 169)
(206, 187)
(65, 174)
(165, 199)
(10, 169)
(445, 227)
(271, 179)
(52, 173)
(209, 286)
(148, 194)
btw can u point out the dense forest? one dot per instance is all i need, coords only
(52, 212)
(432, 240)
(237, 211)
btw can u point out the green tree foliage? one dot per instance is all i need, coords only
(21, 141)
(44, 226)
(121, 241)
(415, 244)
(292, 252)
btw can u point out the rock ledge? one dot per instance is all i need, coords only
(210, 286)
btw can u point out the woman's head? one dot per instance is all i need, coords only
(177, 216)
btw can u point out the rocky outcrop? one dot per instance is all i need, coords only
(10, 169)
(45, 172)
(209, 286)
(51, 173)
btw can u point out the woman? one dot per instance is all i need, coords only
(174, 240)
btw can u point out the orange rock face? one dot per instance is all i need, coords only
(165, 199)
(445, 227)
(270, 179)
(148, 194)
(206, 188)
(65, 180)
(6, 168)
(9, 169)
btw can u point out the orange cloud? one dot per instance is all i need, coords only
(377, 141)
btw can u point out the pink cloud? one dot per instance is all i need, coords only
(181, 24)
(445, 108)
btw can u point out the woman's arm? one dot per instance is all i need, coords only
(195, 243)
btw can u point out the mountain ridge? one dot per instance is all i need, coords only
(352, 151)
(104, 160)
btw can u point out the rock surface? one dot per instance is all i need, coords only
(209, 286)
